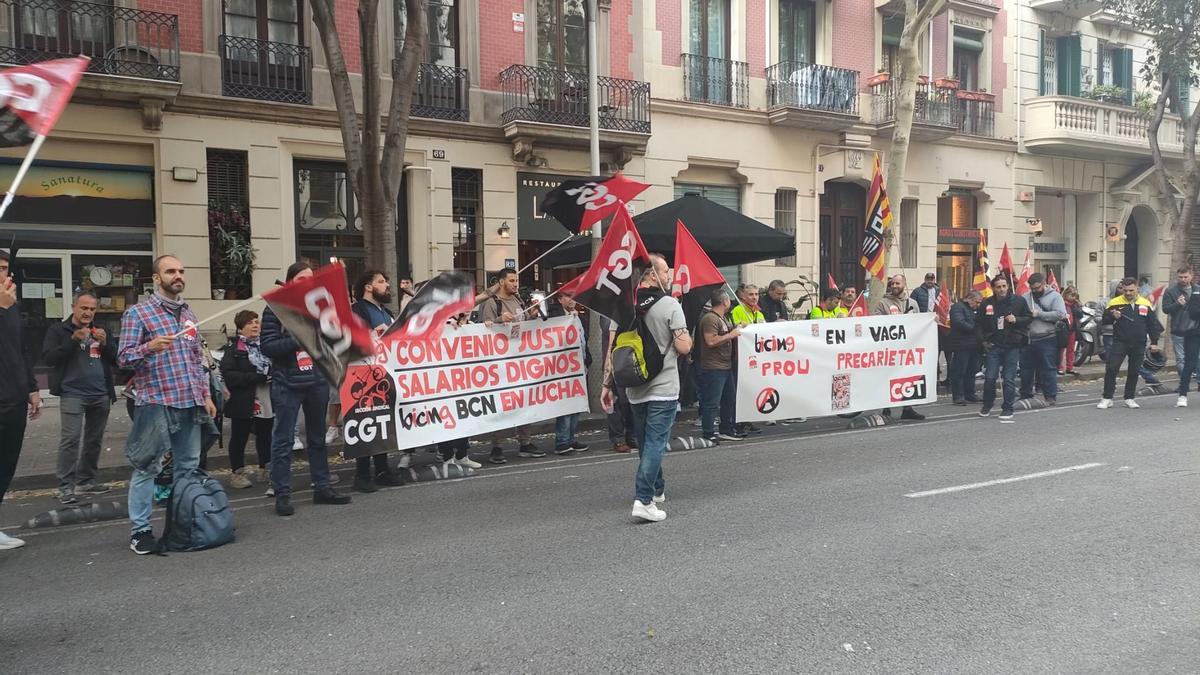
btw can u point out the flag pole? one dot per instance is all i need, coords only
(533, 262)
(25, 164)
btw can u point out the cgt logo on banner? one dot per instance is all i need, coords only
(469, 381)
(835, 366)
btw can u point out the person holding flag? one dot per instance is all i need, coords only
(897, 301)
(19, 397)
(830, 306)
(849, 297)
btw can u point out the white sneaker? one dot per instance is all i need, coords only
(405, 460)
(1104, 403)
(331, 435)
(660, 499)
(7, 542)
(1130, 403)
(1181, 402)
(649, 512)
(469, 463)
(297, 444)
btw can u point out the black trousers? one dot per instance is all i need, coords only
(1112, 366)
(239, 433)
(456, 449)
(12, 435)
(363, 464)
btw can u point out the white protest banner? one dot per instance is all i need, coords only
(470, 381)
(835, 366)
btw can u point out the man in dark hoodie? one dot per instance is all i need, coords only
(1134, 322)
(1181, 303)
(1003, 326)
(296, 384)
(963, 344)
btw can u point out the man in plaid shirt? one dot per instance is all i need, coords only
(161, 343)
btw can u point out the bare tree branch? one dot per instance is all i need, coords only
(343, 93)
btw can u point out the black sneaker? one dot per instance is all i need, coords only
(1005, 415)
(498, 457)
(911, 414)
(283, 505)
(1051, 402)
(713, 439)
(561, 450)
(748, 429)
(985, 411)
(66, 495)
(730, 436)
(92, 489)
(365, 484)
(389, 479)
(328, 495)
(143, 543)
(579, 447)
(530, 450)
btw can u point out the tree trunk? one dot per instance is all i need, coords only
(904, 83)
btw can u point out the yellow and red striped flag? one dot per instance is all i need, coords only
(879, 221)
(980, 280)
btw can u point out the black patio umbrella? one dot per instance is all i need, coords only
(728, 237)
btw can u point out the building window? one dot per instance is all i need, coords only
(268, 20)
(797, 31)
(231, 256)
(968, 51)
(893, 28)
(441, 43)
(908, 233)
(467, 196)
(709, 30)
(328, 225)
(785, 220)
(1060, 66)
(562, 35)
(1048, 66)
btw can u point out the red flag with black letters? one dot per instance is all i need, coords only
(608, 286)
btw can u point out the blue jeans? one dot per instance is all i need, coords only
(287, 403)
(1177, 345)
(180, 428)
(717, 394)
(1008, 357)
(1189, 362)
(564, 430)
(1040, 358)
(652, 422)
(964, 363)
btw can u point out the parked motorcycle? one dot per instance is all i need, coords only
(1087, 333)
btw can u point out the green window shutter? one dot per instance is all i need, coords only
(1042, 64)
(1126, 71)
(1069, 62)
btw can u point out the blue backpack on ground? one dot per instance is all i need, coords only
(198, 514)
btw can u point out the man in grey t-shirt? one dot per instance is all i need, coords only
(655, 403)
(505, 306)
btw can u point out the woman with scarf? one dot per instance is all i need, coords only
(248, 407)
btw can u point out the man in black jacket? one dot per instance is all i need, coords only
(1181, 303)
(1134, 322)
(372, 294)
(962, 342)
(296, 385)
(1002, 324)
(19, 396)
(83, 357)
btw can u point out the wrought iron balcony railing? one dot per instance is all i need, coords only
(555, 96)
(712, 80)
(977, 113)
(934, 106)
(119, 40)
(267, 71)
(441, 93)
(813, 87)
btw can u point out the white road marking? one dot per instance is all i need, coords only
(1002, 481)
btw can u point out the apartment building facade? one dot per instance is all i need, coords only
(206, 128)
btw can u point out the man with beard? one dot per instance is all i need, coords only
(1040, 357)
(161, 343)
(849, 295)
(372, 295)
(1181, 303)
(773, 306)
(1003, 325)
(896, 301)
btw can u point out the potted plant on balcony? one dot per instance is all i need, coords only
(879, 78)
(946, 83)
(1106, 93)
(1143, 101)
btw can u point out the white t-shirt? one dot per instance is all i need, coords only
(663, 319)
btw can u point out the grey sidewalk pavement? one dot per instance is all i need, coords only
(39, 456)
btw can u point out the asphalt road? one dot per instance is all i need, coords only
(810, 553)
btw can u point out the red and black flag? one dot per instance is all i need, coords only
(608, 286)
(578, 203)
(694, 270)
(437, 301)
(316, 313)
(33, 97)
